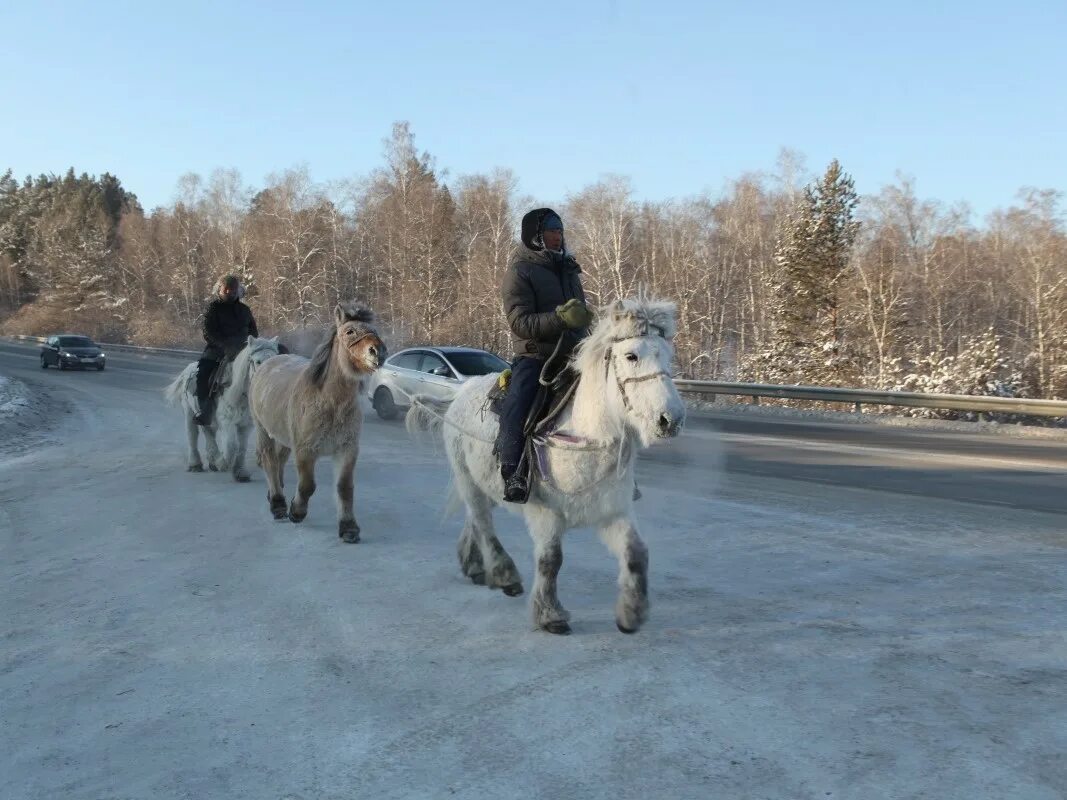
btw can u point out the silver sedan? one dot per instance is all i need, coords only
(435, 372)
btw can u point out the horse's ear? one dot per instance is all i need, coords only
(251, 339)
(338, 315)
(274, 340)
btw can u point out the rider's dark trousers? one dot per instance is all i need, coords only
(516, 406)
(205, 368)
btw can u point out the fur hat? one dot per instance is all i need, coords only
(534, 224)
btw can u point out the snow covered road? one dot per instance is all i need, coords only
(163, 638)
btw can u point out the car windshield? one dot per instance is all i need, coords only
(75, 341)
(477, 363)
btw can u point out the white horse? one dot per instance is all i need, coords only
(624, 400)
(232, 417)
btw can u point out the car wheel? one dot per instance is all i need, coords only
(61, 364)
(384, 404)
(99, 367)
(44, 363)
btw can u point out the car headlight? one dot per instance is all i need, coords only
(68, 355)
(102, 355)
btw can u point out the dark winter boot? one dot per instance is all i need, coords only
(205, 413)
(516, 484)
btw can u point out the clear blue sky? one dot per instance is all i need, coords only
(968, 97)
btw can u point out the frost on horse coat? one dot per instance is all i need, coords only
(625, 400)
(311, 408)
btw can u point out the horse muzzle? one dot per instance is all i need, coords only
(669, 425)
(370, 356)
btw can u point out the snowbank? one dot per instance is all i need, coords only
(24, 415)
(14, 397)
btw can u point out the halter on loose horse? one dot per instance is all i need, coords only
(311, 407)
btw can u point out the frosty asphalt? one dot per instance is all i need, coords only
(161, 637)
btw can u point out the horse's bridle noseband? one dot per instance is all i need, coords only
(367, 334)
(609, 362)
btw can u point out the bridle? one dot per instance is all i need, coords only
(367, 334)
(648, 329)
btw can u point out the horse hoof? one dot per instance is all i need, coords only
(558, 627)
(212, 467)
(512, 590)
(348, 531)
(478, 578)
(280, 513)
(195, 468)
(624, 629)
(242, 478)
(296, 516)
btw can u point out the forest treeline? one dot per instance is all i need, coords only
(783, 277)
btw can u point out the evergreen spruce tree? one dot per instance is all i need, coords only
(813, 255)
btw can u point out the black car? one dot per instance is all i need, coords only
(68, 351)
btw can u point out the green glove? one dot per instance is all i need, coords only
(574, 314)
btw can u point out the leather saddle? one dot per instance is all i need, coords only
(548, 404)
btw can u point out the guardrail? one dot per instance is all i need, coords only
(858, 397)
(855, 397)
(133, 348)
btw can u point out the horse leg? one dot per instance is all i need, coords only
(278, 503)
(546, 529)
(270, 457)
(237, 457)
(344, 467)
(470, 555)
(305, 471)
(215, 461)
(192, 431)
(622, 539)
(481, 555)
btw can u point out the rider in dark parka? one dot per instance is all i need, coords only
(544, 302)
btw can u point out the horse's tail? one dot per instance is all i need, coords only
(426, 416)
(176, 388)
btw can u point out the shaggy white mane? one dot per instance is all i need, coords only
(243, 363)
(625, 319)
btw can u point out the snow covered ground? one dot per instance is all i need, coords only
(162, 637)
(13, 397)
(26, 415)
